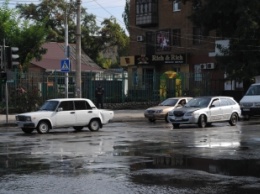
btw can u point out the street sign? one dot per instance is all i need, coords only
(65, 65)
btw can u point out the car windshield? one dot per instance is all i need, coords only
(253, 90)
(169, 102)
(49, 105)
(198, 102)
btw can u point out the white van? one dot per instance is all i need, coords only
(250, 103)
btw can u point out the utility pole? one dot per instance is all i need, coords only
(78, 51)
(66, 55)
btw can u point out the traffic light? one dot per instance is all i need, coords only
(12, 57)
(3, 77)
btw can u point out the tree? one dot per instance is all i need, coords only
(126, 14)
(27, 37)
(112, 35)
(52, 14)
(239, 22)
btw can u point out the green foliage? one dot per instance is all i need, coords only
(237, 21)
(52, 13)
(28, 37)
(22, 100)
(126, 14)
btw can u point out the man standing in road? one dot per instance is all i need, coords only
(99, 96)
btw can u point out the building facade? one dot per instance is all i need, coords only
(167, 51)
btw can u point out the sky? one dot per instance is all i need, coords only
(100, 8)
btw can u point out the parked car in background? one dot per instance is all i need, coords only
(206, 110)
(250, 103)
(161, 111)
(64, 112)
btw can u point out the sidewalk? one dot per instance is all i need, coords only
(120, 116)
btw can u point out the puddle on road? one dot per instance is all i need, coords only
(228, 167)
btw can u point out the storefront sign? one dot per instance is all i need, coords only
(127, 60)
(160, 59)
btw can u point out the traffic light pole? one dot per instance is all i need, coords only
(6, 86)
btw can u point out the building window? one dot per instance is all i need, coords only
(163, 40)
(150, 43)
(176, 5)
(176, 37)
(196, 4)
(197, 36)
(146, 12)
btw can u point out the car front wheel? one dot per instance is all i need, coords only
(43, 127)
(233, 119)
(94, 125)
(176, 126)
(26, 130)
(152, 120)
(202, 121)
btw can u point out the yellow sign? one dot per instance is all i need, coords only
(127, 60)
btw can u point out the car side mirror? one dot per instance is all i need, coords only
(60, 109)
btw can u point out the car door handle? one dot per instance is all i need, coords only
(90, 111)
(72, 112)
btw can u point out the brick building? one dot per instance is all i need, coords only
(164, 44)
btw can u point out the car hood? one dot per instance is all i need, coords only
(36, 113)
(161, 108)
(188, 109)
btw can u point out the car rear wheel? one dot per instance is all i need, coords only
(202, 121)
(233, 119)
(26, 130)
(78, 128)
(43, 127)
(94, 125)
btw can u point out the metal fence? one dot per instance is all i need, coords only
(119, 87)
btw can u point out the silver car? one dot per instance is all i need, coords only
(206, 110)
(160, 112)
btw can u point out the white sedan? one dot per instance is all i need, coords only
(64, 112)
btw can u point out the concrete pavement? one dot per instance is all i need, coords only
(120, 116)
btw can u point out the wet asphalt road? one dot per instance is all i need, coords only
(134, 157)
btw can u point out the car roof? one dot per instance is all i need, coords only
(67, 99)
(179, 97)
(213, 97)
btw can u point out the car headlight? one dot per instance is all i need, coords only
(257, 104)
(188, 114)
(170, 113)
(28, 118)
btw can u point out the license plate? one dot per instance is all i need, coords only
(246, 109)
(178, 119)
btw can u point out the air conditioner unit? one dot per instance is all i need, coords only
(210, 66)
(203, 66)
(140, 38)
